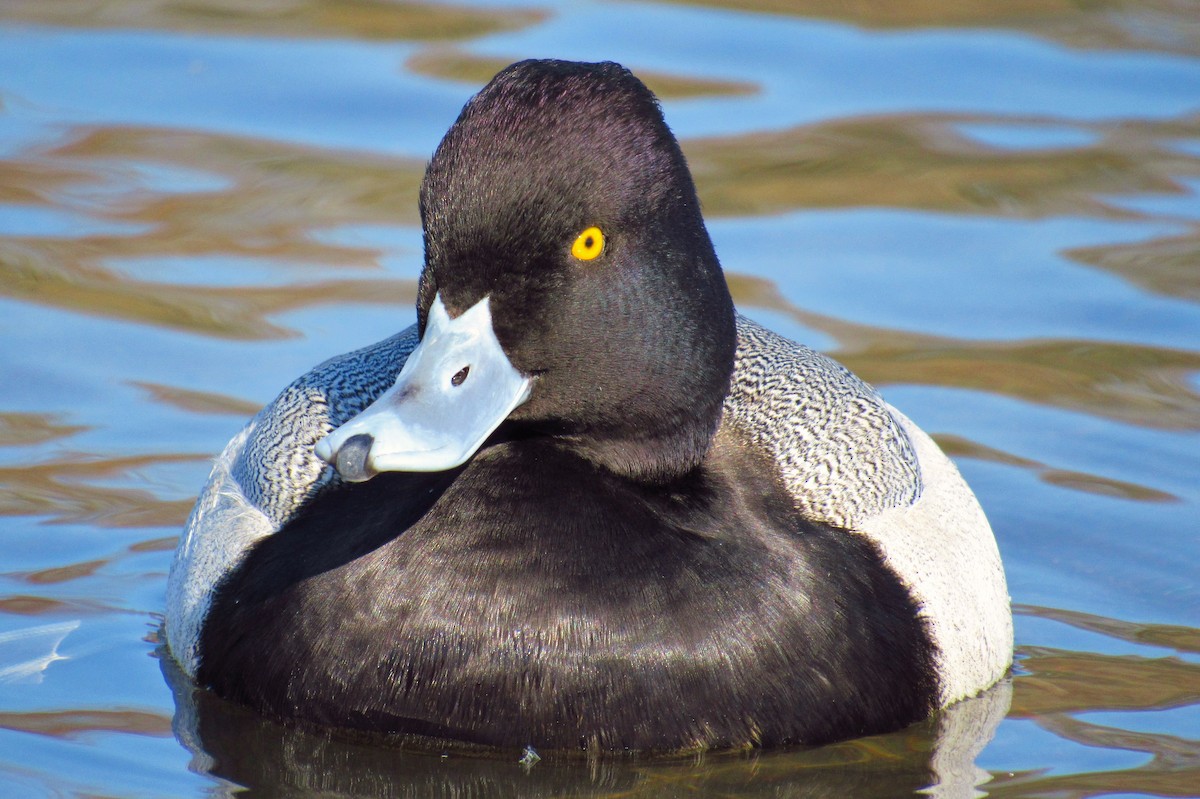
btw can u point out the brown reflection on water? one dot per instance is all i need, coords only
(1057, 684)
(927, 162)
(77, 488)
(451, 64)
(1062, 681)
(1137, 384)
(72, 489)
(60, 574)
(1172, 767)
(58, 274)
(192, 401)
(271, 199)
(74, 723)
(1171, 26)
(27, 605)
(269, 185)
(1165, 266)
(1169, 636)
(360, 19)
(25, 429)
(958, 447)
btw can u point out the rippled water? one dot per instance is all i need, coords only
(987, 209)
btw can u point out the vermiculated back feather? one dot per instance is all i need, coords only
(842, 455)
(277, 469)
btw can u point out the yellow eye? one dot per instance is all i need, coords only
(589, 245)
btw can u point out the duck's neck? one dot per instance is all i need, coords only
(652, 456)
(652, 447)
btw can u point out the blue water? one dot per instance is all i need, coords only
(994, 220)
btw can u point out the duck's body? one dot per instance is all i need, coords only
(686, 550)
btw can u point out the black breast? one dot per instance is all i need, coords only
(529, 598)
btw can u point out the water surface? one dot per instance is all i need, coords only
(989, 210)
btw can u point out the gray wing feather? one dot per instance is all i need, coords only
(277, 469)
(842, 455)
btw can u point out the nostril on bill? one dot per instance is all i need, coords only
(352, 463)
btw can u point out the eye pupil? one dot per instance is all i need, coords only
(460, 376)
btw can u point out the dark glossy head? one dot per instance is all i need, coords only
(632, 350)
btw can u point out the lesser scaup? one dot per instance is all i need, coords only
(582, 504)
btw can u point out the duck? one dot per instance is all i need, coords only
(583, 504)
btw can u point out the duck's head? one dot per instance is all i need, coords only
(570, 288)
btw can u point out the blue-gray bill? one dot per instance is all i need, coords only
(456, 387)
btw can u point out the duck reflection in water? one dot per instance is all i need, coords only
(246, 750)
